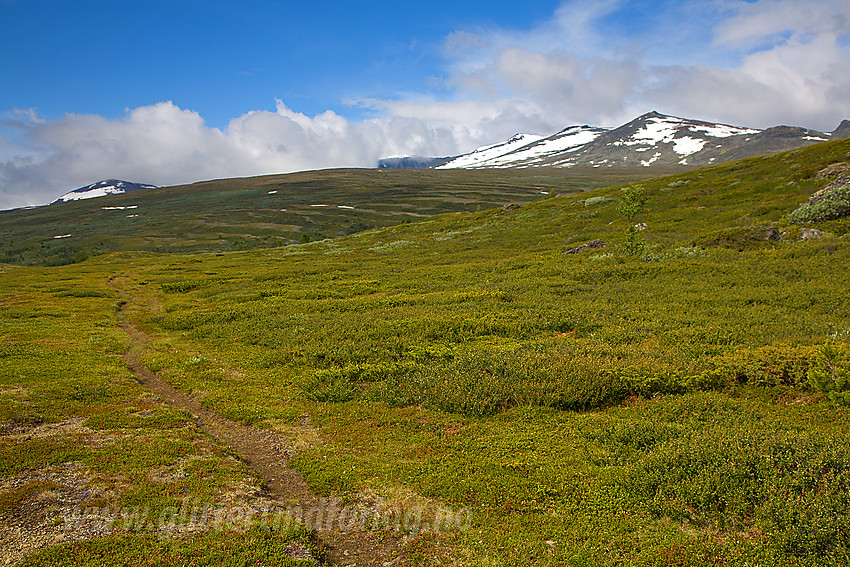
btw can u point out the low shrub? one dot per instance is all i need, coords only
(830, 373)
(739, 238)
(776, 365)
(324, 386)
(590, 202)
(480, 384)
(180, 287)
(743, 477)
(823, 206)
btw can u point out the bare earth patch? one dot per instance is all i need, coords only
(34, 506)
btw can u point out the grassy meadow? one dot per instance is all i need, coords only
(594, 408)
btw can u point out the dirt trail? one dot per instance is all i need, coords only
(266, 453)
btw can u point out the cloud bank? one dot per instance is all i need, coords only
(598, 62)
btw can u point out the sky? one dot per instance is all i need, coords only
(168, 92)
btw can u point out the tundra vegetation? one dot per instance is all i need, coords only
(681, 405)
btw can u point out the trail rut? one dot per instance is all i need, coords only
(267, 454)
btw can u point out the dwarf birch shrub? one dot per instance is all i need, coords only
(829, 373)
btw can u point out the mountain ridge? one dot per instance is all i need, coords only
(650, 139)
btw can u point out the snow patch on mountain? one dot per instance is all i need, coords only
(686, 145)
(480, 156)
(565, 141)
(101, 189)
(721, 130)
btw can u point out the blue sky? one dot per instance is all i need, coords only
(171, 92)
(225, 58)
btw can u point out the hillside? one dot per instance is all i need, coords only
(538, 408)
(268, 211)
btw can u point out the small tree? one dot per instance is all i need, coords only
(631, 203)
(829, 373)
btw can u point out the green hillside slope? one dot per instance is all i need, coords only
(273, 210)
(593, 408)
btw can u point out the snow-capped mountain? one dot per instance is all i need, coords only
(651, 139)
(525, 149)
(667, 140)
(101, 188)
(483, 156)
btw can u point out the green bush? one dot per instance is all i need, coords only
(180, 287)
(834, 204)
(85, 293)
(324, 386)
(739, 238)
(830, 374)
(597, 200)
(486, 383)
(775, 365)
(787, 485)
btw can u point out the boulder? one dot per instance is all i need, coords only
(811, 234)
(833, 170)
(586, 246)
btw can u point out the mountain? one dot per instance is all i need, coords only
(843, 131)
(650, 140)
(101, 188)
(410, 162)
(482, 156)
(525, 148)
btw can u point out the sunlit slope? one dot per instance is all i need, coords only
(723, 292)
(262, 212)
(627, 409)
(592, 408)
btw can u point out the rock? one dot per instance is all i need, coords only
(811, 234)
(830, 188)
(834, 169)
(843, 130)
(586, 246)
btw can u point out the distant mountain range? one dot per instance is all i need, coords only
(653, 139)
(101, 188)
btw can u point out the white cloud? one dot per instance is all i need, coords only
(795, 68)
(759, 63)
(164, 144)
(754, 23)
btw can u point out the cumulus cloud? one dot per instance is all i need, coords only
(752, 63)
(599, 62)
(164, 144)
(754, 23)
(794, 67)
